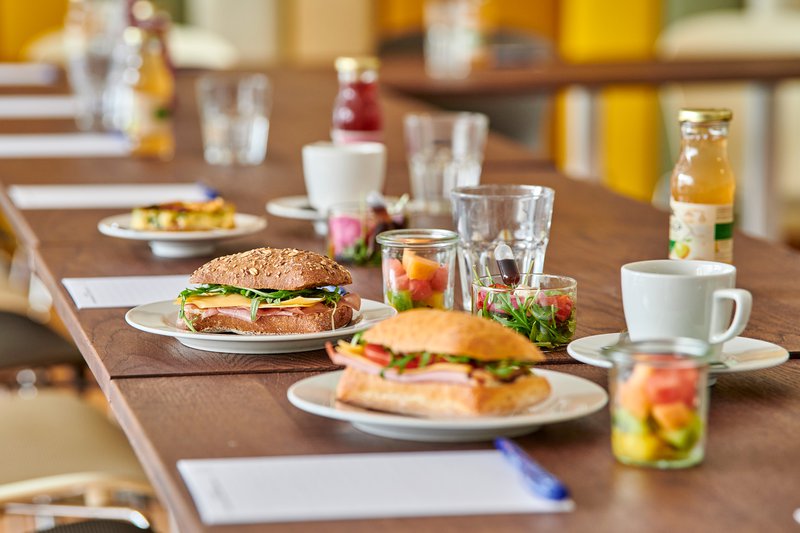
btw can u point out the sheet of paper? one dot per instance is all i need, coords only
(104, 196)
(379, 485)
(27, 74)
(63, 145)
(123, 291)
(38, 106)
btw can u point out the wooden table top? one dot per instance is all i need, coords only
(158, 387)
(748, 481)
(407, 75)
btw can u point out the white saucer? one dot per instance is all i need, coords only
(160, 318)
(298, 208)
(571, 397)
(740, 354)
(180, 243)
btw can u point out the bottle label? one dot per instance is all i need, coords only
(151, 116)
(701, 231)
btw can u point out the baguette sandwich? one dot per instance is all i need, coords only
(268, 291)
(435, 363)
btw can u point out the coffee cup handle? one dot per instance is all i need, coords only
(743, 300)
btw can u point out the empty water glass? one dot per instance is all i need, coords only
(92, 31)
(488, 215)
(234, 110)
(445, 151)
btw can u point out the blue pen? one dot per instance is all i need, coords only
(542, 482)
(208, 191)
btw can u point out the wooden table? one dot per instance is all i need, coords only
(175, 402)
(759, 210)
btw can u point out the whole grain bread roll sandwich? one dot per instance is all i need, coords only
(268, 291)
(434, 363)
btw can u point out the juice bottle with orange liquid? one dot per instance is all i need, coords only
(703, 187)
(152, 85)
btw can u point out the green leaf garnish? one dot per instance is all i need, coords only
(257, 296)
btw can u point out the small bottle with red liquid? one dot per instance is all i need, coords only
(356, 111)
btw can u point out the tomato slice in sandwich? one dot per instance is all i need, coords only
(377, 354)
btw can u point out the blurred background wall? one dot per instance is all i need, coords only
(636, 153)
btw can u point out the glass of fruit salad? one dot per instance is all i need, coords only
(352, 228)
(659, 401)
(418, 268)
(543, 307)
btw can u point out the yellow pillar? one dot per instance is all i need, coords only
(618, 30)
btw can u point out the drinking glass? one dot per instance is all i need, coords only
(451, 37)
(353, 227)
(659, 402)
(543, 307)
(488, 215)
(92, 31)
(445, 151)
(234, 111)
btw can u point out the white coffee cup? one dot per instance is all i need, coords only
(667, 298)
(338, 173)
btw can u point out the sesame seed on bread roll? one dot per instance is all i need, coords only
(273, 268)
(451, 332)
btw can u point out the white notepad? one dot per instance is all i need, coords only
(105, 196)
(353, 486)
(123, 291)
(64, 145)
(27, 74)
(38, 106)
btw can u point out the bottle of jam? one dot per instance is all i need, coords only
(356, 111)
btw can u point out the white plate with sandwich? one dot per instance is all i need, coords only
(572, 397)
(160, 318)
(439, 376)
(262, 301)
(182, 229)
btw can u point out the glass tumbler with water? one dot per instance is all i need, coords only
(488, 215)
(234, 110)
(445, 150)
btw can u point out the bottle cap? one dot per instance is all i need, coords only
(357, 63)
(695, 114)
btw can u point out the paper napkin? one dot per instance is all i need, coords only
(379, 485)
(63, 145)
(123, 291)
(105, 196)
(27, 74)
(38, 106)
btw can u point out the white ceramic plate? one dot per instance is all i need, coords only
(571, 397)
(740, 354)
(180, 243)
(160, 318)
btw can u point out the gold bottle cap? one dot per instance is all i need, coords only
(357, 63)
(699, 114)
